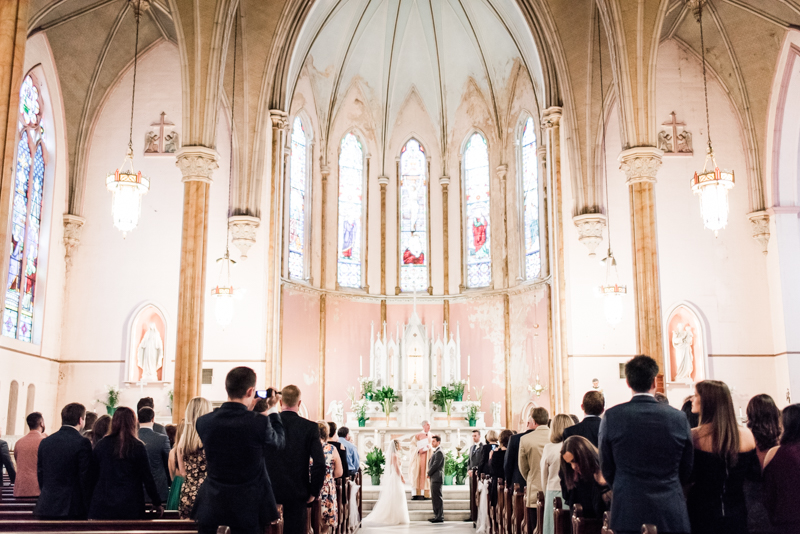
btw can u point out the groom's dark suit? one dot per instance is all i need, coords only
(435, 472)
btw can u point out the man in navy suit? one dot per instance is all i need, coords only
(237, 491)
(63, 469)
(511, 461)
(593, 406)
(646, 456)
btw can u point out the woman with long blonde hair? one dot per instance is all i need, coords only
(190, 455)
(550, 466)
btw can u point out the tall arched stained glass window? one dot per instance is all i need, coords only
(26, 215)
(476, 200)
(530, 201)
(351, 185)
(298, 181)
(413, 218)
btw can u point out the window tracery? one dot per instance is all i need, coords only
(351, 212)
(414, 256)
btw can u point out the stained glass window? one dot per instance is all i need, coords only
(297, 202)
(476, 200)
(351, 185)
(530, 201)
(26, 216)
(413, 218)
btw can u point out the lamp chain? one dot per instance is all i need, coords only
(603, 126)
(136, 12)
(705, 82)
(233, 109)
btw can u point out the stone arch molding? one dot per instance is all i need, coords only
(137, 327)
(684, 313)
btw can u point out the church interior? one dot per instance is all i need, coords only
(513, 197)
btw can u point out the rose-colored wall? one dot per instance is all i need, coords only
(347, 338)
(483, 344)
(529, 351)
(300, 346)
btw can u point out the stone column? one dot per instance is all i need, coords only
(640, 165)
(325, 171)
(272, 363)
(197, 164)
(383, 181)
(444, 181)
(502, 171)
(551, 120)
(13, 34)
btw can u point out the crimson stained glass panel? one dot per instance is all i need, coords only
(351, 212)
(413, 218)
(477, 207)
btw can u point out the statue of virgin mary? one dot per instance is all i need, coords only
(682, 341)
(150, 354)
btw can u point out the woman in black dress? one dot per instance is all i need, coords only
(722, 453)
(496, 463)
(763, 420)
(119, 470)
(485, 467)
(581, 480)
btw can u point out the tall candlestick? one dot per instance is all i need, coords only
(469, 361)
(360, 366)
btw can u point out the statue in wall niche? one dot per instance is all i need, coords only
(150, 354)
(682, 341)
(171, 143)
(336, 411)
(496, 422)
(452, 364)
(664, 141)
(151, 143)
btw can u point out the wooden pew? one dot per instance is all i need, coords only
(519, 509)
(562, 519)
(499, 511)
(539, 511)
(35, 525)
(606, 524)
(508, 520)
(473, 496)
(582, 525)
(169, 515)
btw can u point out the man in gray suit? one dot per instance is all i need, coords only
(475, 450)
(435, 473)
(157, 451)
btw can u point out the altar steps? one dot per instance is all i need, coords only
(456, 503)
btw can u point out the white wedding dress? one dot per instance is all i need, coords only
(392, 507)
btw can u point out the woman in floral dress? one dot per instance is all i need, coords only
(191, 457)
(333, 470)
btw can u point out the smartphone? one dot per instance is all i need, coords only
(265, 393)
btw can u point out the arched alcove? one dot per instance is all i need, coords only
(31, 400)
(146, 349)
(13, 397)
(686, 345)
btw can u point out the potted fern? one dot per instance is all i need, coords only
(112, 399)
(462, 463)
(443, 397)
(472, 414)
(450, 468)
(361, 412)
(386, 396)
(458, 390)
(374, 462)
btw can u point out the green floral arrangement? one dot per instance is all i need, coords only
(450, 464)
(375, 461)
(386, 396)
(458, 389)
(367, 388)
(443, 397)
(361, 410)
(112, 398)
(472, 411)
(462, 463)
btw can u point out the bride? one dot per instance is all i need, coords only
(391, 508)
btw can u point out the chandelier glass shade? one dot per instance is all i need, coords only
(712, 187)
(222, 293)
(127, 188)
(612, 292)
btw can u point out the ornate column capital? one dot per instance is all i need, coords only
(324, 171)
(383, 181)
(502, 171)
(640, 164)
(243, 232)
(72, 235)
(551, 116)
(759, 224)
(279, 119)
(590, 229)
(444, 181)
(197, 163)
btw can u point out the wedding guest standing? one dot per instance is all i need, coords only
(484, 467)
(119, 471)
(346, 439)
(191, 456)
(147, 402)
(475, 450)
(511, 466)
(531, 448)
(782, 473)
(764, 421)
(5, 460)
(157, 446)
(646, 467)
(333, 470)
(497, 461)
(63, 469)
(26, 453)
(333, 439)
(294, 486)
(91, 419)
(551, 465)
(722, 452)
(237, 491)
(593, 406)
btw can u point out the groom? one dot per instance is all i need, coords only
(435, 471)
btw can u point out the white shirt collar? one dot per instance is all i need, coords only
(644, 395)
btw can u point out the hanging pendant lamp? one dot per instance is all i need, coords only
(127, 187)
(223, 292)
(712, 184)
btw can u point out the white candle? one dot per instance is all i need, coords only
(469, 361)
(360, 366)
